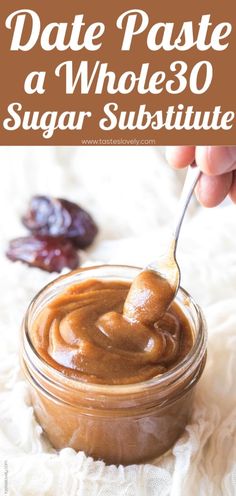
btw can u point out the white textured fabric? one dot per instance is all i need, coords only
(132, 193)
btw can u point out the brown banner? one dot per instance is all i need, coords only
(179, 89)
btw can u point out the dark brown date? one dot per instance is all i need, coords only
(50, 254)
(58, 217)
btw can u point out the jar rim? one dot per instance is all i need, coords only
(190, 361)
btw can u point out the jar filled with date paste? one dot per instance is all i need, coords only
(118, 391)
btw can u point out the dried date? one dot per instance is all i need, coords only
(58, 217)
(50, 254)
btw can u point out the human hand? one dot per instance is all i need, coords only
(218, 164)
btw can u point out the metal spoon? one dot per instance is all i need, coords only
(153, 290)
(166, 265)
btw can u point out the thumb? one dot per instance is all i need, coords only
(216, 160)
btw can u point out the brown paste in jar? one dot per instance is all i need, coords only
(111, 332)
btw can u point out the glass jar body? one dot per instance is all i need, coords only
(119, 424)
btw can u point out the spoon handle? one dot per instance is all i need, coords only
(192, 177)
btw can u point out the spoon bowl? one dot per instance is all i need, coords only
(167, 267)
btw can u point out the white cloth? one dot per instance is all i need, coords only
(133, 194)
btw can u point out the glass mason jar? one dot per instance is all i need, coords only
(116, 423)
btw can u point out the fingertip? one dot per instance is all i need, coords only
(212, 190)
(232, 192)
(180, 156)
(203, 198)
(215, 160)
